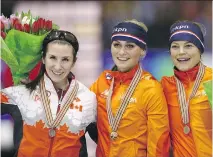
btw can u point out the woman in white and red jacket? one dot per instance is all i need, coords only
(56, 108)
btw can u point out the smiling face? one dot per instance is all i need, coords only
(58, 63)
(185, 55)
(126, 54)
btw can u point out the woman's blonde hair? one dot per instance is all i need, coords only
(141, 24)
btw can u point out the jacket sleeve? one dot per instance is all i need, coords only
(8, 95)
(94, 87)
(15, 113)
(92, 128)
(13, 110)
(4, 98)
(92, 131)
(158, 142)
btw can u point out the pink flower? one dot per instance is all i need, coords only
(25, 22)
(35, 27)
(48, 25)
(14, 21)
(41, 23)
(2, 26)
(5, 21)
(18, 26)
(13, 17)
(26, 28)
(3, 34)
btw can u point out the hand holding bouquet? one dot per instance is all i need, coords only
(21, 42)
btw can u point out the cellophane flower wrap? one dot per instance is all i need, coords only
(21, 42)
(208, 89)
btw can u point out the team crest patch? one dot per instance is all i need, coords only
(200, 93)
(147, 77)
(108, 76)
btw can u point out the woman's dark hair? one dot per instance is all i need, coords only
(54, 35)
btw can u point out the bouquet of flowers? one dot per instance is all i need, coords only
(21, 42)
(208, 89)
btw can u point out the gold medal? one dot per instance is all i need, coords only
(113, 135)
(186, 129)
(52, 132)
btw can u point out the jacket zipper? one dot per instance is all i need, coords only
(51, 146)
(52, 138)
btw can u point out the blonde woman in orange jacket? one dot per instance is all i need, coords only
(132, 115)
(190, 114)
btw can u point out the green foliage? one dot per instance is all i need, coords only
(208, 89)
(21, 52)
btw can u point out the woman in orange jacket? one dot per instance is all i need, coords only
(190, 114)
(56, 109)
(132, 115)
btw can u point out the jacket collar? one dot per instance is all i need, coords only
(124, 77)
(50, 85)
(187, 76)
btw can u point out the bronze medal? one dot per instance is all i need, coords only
(113, 135)
(186, 129)
(184, 103)
(52, 132)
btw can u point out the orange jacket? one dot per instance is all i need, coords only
(198, 143)
(69, 140)
(143, 130)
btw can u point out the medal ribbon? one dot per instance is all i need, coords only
(184, 104)
(114, 121)
(46, 103)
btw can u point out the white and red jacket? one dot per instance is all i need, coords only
(69, 140)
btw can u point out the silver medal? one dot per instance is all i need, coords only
(186, 129)
(113, 135)
(52, 133)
